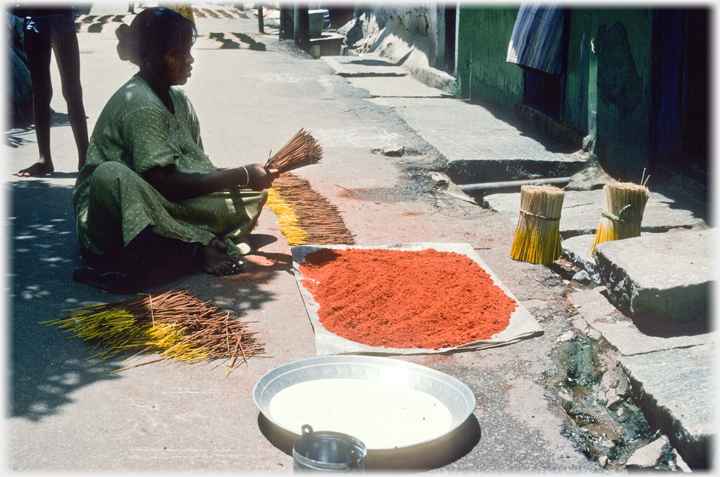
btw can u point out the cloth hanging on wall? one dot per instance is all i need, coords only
(536, 40)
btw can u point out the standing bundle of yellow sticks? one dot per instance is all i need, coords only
(623, 208)
(537, 238)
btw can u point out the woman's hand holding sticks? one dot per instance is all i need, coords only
(260, 177)
(302, 150)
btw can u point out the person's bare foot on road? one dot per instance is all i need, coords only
(216, 261)
(37, 169)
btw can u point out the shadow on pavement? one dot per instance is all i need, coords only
(528, 129)
(663, 327)
(47, 365)
(14, 135)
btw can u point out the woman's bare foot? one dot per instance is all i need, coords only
(37, 169)
(216, 261)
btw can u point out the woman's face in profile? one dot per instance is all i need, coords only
(177, 63)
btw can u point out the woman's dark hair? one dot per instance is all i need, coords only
(151, 34)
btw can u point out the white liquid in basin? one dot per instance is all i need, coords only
(381, 415)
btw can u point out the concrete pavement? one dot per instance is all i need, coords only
(66, 416)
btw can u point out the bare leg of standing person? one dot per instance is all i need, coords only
(55, 33)
(67, 55)
(38, 48)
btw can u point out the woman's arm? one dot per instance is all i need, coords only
(174, 185)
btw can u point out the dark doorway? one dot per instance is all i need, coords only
(680, 120)
(543, 92)
(450, 21)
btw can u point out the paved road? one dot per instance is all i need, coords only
(65, 415)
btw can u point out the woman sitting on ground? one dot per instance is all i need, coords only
(148, 203)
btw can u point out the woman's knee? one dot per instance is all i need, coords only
(107, 177)
(109, 171)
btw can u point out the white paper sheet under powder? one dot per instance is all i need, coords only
(381, 415)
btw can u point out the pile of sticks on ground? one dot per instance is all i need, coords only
(175, 324)
(306, 217)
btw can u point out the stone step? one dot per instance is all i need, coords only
(479, 145)
(328, 44)
(663, 274)
(435, 78)
(576, 250)
(401, 87)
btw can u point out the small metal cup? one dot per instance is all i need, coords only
(328, 451)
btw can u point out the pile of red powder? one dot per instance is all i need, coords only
(405, 299)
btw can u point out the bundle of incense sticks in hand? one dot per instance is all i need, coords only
(302, 150)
